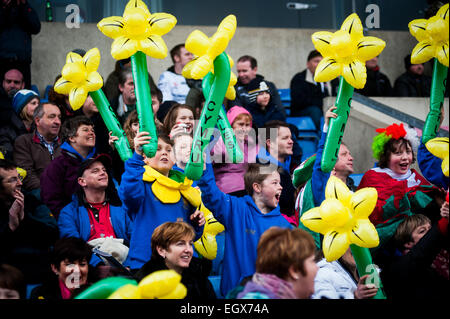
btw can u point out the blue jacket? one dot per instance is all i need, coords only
(146, 211)
(430, 166)
(244, 224)
(74, 221)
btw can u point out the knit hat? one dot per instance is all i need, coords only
(21, 99)
(254, 93)
(235, 111)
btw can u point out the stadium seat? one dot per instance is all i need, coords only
(285, 96)
(309, 147)
(47, 90)
(356, 178)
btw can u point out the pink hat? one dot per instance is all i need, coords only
(235, 111)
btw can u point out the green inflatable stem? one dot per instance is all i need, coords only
(144, 101)
(229, 139)
(208, 117)
(104, 288)
(438, 85)
(337, 126)
(365, 266)
(112, 123)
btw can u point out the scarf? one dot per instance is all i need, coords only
(279, 287)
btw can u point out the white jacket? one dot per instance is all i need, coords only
(333, 282)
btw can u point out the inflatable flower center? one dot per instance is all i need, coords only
(343, 44)
(135, 20)
(436, 27)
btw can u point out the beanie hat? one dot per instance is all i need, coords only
(21, 98)
(254, 93)
(235, 111)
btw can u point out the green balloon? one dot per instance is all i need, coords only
(337, 126)
(224, 126)
(104, 288)
(208, 117)
(144, 102)
(112, 123)
(438, 85)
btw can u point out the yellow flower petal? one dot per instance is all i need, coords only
(364, 201)
(187, 69)
(159, 283)
(321, 41)
(74, 72)
(233, 79)
(334, 213)
(231, 93)
(327, 70)
(126, 292)
(135, 4)
(154, 46)
(73, 57)
(439, 147)
(336, 189)
(201, 67)
(352, 24)
(112, 27)
(343, 45)
(123, 48)
(422, 52)
(355, 74)
(77, 96)
(92, 60)
(94, 82)
(335, 244)
(63, 86)
(161, 23)
(437, 29)
(228, 26)
(364, 234)
(197, 43)
(179, 292)
(314, 221)
(443, 12)
(442, 54)
(418, 28)
(369, 47)
(230, 60)
(206, 246)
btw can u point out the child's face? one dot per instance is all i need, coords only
(241, 127)
(183, 145)
(164, 158)
(401, 159)
(271, 190)
(135, 128)
(85, 137)
(187, 117)
(419, 232)
(263, 99)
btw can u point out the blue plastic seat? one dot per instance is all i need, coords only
(309, 147)
(285, 96)
(356, 178)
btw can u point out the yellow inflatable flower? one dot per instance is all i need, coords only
(345, 52)
(79, 77)
(439, 147)
(207, 49)
(207, 244)
(432, 35)
(343, 218)
(137, 30)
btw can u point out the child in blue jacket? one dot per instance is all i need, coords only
(245, 218)
(153, 194)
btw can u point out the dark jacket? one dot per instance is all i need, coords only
(377, 84)
(11, 126)
(411, 85)
(27, 247)
(33, 157)
(304, 93)
(195, 278)
(261, 117)
(59, 179)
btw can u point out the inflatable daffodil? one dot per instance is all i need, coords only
(79, 77)
(162, 284)
(137, 34)
(432, 35)
(439, 148)
(137, 30)
(207, 244)
(344, 53)
(22, 173)
(213, 65)
(343, 218)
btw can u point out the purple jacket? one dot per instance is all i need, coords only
(59, 180)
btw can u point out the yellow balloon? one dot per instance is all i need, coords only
(158, 283)
(361, 234)
(335, 244)
(334, 212)
(126, 292)
(337, 189)
(439, 147)
(179, 292)
(364, 201)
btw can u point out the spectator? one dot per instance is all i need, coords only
(111, 87)
(377, 83)
(277, 150)
(152, 192)
(18, 21)
(195, 97)
(182, 145)
(12, 82)
(285, 266)
(172, 248)
(34, 151)
(12, 283)
(339, 279)
(59, 179)
(244, 218)
(96, 211)
(230, 176)
(27, 228)
(179, 119)
(125, 103)
(24, 104)
(412, 83)
(407, 272)
(70, 270)
(312, 193)
(262, 107)
(402, 191)
(247, 69)
(171, 83)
